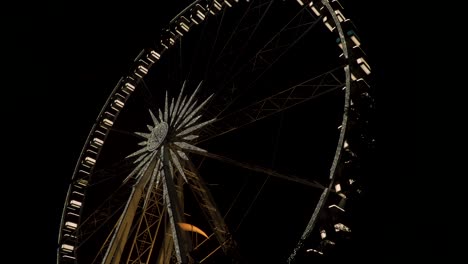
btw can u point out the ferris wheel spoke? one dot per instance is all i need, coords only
(98, 220)
(279, 43)
(261, 169)
(297, 94)
(109, 173)
(258, 12)
(263, 59)
(235, 30)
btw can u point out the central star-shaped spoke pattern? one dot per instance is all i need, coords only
(169, 137)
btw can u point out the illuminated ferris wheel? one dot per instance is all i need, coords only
(245, 125)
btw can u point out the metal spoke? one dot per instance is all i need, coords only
(263, 170)
(290, 97)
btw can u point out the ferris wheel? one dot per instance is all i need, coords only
(239, 137)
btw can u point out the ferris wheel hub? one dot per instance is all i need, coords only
(157, 137)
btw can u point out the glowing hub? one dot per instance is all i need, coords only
(158, 134)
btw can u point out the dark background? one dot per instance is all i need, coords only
(75, 53)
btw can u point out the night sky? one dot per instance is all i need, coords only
(88, 47)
